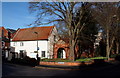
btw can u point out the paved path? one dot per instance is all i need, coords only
(19, 70)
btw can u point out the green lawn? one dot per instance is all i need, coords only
(89, 59)
(78, 60)
(55, 60)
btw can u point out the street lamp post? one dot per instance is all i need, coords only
(37, 45)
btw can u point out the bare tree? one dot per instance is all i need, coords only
(105, 13)
(62, 12)
(117, 25)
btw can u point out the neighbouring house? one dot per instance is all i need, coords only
(98, 39)
(12, 32)
(5, 36)
(30, 41)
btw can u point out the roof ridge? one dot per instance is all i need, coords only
(38, 27)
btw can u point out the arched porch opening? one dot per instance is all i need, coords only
(61, 53)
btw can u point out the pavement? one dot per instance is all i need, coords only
(58, 67)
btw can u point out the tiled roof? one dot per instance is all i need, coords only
(29, 34)
(13, 32)
(5, 32)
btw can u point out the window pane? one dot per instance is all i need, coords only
(21, 44)
(14, 44)
(43, 53)
(21, 54)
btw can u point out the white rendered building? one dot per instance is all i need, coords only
(28, 41)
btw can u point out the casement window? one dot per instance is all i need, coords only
(43, 53)
(3, 44)
(21, 44)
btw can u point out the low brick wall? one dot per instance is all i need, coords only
(110, 59)
(66, 63)
(72, 63)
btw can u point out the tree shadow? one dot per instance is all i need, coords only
(98, 68)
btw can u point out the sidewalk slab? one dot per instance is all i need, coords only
(59, 67)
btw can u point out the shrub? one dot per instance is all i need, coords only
(113, 55)
(117, 57)
(82, 57)
(25, 61)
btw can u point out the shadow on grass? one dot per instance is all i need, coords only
(97, 64)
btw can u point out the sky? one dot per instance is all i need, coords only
(0, 13)
(16, 15)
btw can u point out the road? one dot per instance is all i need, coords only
(19, 70)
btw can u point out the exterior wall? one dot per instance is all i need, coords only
(5, 39)
(53, 38)
(30, 46)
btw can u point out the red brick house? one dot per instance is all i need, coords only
(5, 41)
(5, 36)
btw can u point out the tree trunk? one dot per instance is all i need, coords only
(111, 45)
(117, 47)
(72, 50)
(107, 46)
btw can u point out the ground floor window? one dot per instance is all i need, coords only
(43, 53)
(21, 53)
(13, 55)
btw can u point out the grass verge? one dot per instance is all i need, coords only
(78, 60)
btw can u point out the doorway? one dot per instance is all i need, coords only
(61, 53)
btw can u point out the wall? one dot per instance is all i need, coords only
(30, 47)
(65, 63)
(97, 61)
(53, 38)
